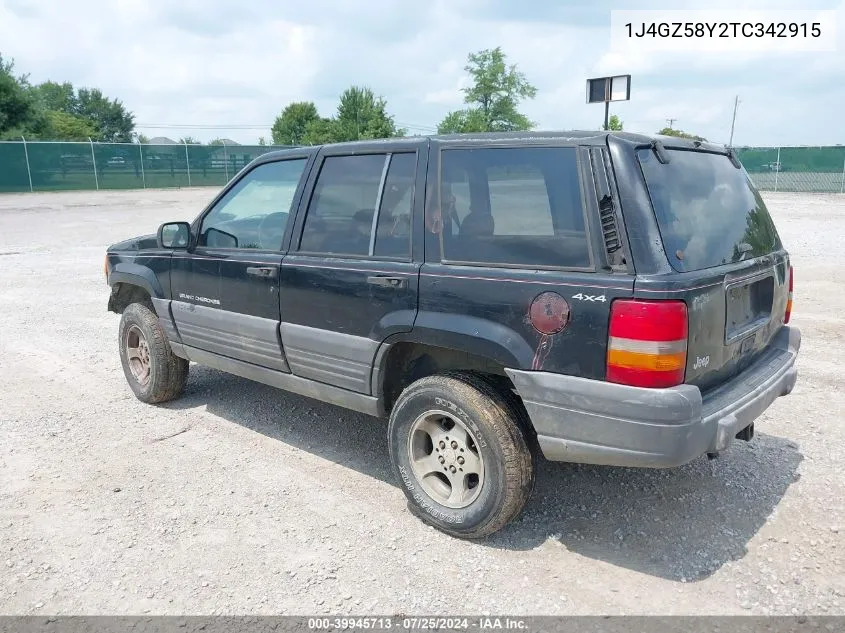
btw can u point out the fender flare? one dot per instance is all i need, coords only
(136, 275)
(473, 335)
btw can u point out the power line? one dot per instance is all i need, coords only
(417, 127)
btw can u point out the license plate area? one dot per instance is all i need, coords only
(748, 305)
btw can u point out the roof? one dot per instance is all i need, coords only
(161, 140)
(562, 137)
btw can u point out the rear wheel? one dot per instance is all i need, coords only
(154, 373)
(458, 447)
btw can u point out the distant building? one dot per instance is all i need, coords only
(162, 140)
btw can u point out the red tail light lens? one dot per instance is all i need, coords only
(647, 343)
(789, 298)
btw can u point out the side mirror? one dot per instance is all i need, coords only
(174, 235)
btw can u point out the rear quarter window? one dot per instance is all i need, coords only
(708, 211)
(510, 206)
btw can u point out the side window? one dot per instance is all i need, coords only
(537, 218)
(340, 218)
(340, 215)
(519, 206)
(393, 233)
(456, 194)
(254, 213)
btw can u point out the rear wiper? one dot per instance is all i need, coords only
(742, 250)
(660, 152)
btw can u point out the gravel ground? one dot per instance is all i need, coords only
(239, 498)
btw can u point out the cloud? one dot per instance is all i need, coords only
(205, 62)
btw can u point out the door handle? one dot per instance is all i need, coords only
(262, 271)
(388, 282)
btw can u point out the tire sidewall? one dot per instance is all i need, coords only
(482, 509)
(129, 318)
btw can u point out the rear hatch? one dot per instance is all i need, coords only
(732, 271)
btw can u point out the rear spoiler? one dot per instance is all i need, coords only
(663, 156)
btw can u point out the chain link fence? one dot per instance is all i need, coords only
(47, 166)
(804, 169)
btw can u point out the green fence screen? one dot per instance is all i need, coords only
(810, 169)
(45, 166)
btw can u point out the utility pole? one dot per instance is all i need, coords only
(733, 122)
(670, 122)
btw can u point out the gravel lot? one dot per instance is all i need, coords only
(239, 498)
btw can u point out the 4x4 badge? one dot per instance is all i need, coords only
(583, 297)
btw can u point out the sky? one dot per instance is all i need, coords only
(228, 68)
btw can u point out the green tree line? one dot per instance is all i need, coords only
(360, 115)
(53, 111)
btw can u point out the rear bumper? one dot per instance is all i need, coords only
(597, 422)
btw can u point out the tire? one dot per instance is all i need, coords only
(494, 443)
(154, 373)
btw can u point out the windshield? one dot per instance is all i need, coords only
(707, 210)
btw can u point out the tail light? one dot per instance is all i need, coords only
(647, 344)
(789, 299)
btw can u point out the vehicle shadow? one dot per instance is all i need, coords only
(680, 524)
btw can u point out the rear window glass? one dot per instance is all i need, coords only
(510, 206)
(708, 212)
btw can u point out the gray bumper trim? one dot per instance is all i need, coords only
(596, 422)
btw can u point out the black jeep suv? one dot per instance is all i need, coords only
(593, 297)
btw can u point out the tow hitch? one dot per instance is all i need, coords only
(746, 434)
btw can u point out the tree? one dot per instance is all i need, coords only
(17, 107)
(320, 131)
(56, 111)
(613, 123)
(143, 139)
(463, 122)
(113, 122)
(189, 140)
(109, 118)
(216, 141)
(262, 141)
(56, 97)
(61, 126)
(667, 131)
(291, 125)
(495, 93)
(362, 115)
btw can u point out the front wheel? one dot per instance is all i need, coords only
(460, 454)
(154, 373)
